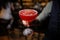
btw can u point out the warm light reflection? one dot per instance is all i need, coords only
(25, 23)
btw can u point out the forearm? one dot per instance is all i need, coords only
(45, 12)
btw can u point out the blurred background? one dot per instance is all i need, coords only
(15, 29)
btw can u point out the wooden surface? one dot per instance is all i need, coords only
(17, 35)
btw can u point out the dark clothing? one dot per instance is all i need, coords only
(53, 27)
(3, 27)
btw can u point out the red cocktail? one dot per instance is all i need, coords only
(27, 15)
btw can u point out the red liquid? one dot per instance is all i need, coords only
(28, 14)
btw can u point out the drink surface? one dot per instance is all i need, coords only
(28, 14)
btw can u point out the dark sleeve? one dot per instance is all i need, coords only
(54, 23)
